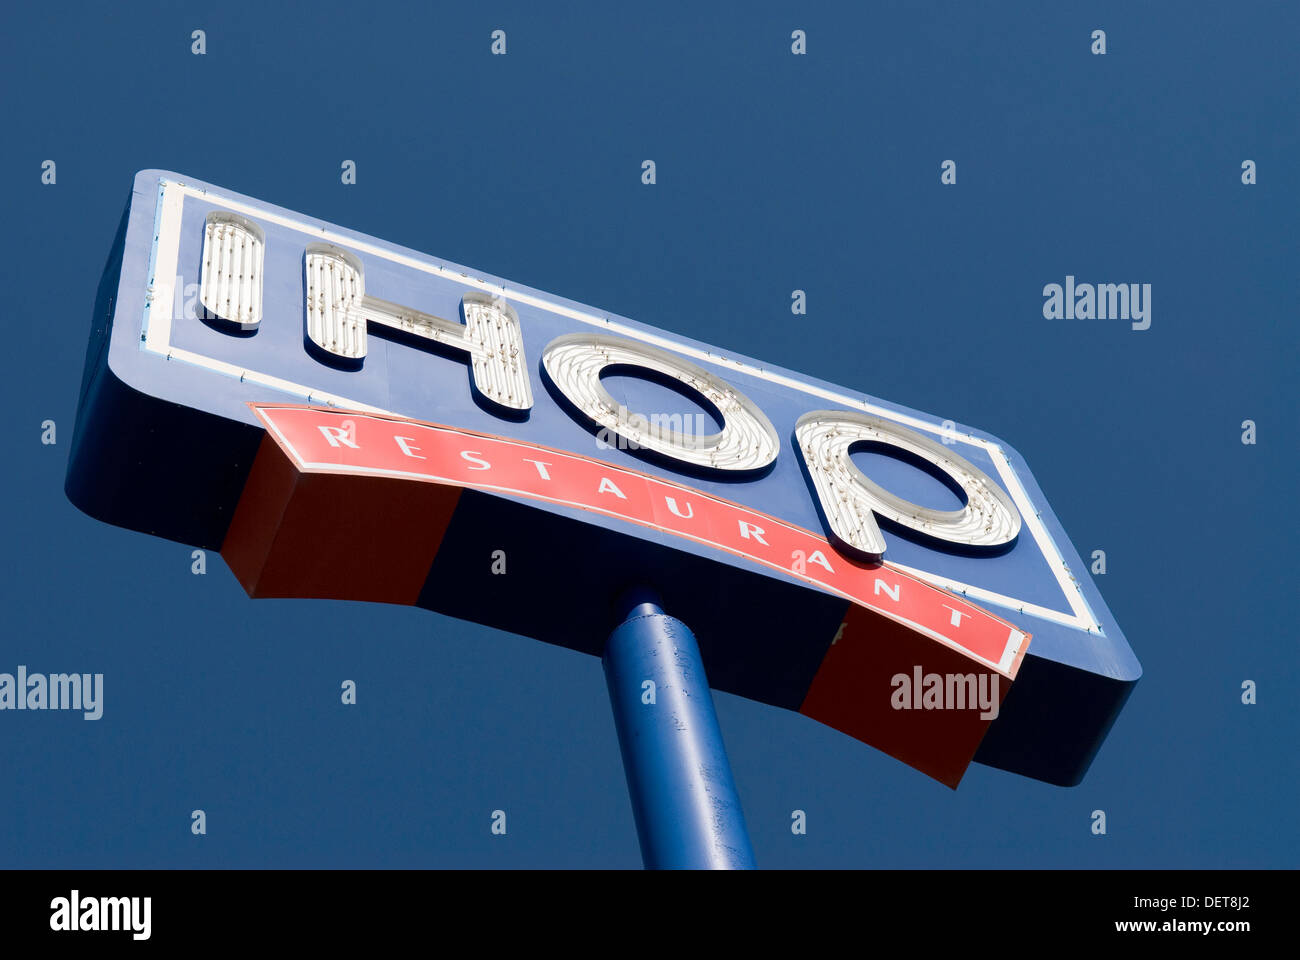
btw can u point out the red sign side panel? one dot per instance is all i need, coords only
(873, 685)
(297, 534)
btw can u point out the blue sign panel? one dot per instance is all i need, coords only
(217, 309)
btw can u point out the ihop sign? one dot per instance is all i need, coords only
(344, 418)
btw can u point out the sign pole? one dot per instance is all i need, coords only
(684, 798)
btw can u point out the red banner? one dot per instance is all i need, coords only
(360, 444)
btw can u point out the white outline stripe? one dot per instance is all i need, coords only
(157, 339)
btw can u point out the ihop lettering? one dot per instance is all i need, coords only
(490, 340)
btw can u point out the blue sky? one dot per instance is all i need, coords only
(775, 172)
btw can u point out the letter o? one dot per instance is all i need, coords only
(747, 442)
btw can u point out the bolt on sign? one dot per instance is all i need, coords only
(345, 418)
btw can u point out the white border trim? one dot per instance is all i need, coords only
(156, 338)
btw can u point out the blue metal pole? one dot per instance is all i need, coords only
(684, 799)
